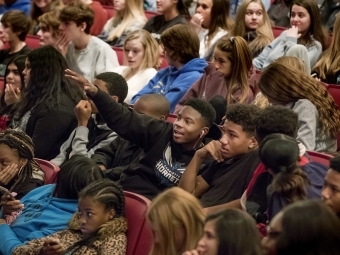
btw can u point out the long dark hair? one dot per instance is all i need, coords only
(220, 17)
(47, 83)
(19, 62)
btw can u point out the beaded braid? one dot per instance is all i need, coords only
(23, 144)
(111, 196)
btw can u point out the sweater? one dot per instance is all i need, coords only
(212, 83)
(136, 82)
(43, 215)
(280, 46)
(173, 83)
(100, 17)
(207, 52)
(21, 5)
(111, 239)
(163, 161)
(96, 58)
(309, 132)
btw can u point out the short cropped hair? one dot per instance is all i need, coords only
(243, 115)
(18, 21)
(115, 84)
(276, 119)
(204, 108)
(181, 43)
(51, 21)
(334, 163)
(159, 103)
(78, 12)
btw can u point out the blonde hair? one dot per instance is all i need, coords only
(284, 83)
(264, 31)
(237, 51)
(329, 63)
(150, 46)
(37, 12)
(124, 19)
(175, 208)
(51, 21)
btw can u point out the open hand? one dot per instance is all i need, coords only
(52, 246)
(8, 173)
(83, 112)
(9, 204)
(12, 94)
(89, 88)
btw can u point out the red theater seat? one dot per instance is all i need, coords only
(139, 236)
(320, 157)
(111, 12)
(120, 54)
(2, 84)
(171, 118)
(32, 41)
(278, 30)
(334, 90)
(50, 169)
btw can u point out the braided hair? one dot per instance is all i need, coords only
(23, 145)
(109, 194)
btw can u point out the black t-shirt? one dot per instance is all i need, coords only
(157, 25)
(5, 57)
(229, 179)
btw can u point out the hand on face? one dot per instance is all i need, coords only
(89, 88)
(212, 149)
(52, 246)
(293, 32)
(12, 94)
(8, 173)
(62, 43)
(196, 21)
(83, 112)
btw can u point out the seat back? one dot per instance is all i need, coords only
(50, 169)
(278, 30)
(139, 236)
(32, 41)
(171, 118)
(164, 63)
(334, 90)
(120, 54)
(320, 157)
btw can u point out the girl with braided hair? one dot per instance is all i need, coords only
(318, 115)
(19, 172)
(98, 227)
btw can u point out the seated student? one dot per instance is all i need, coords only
(235, 159)
(129, 17)
(168, 147)
(327, 69)
(306, 30)
(14, 84)
(86, 54)
(229, 232)
(49, 28)
(253, 24)
(19, 172)
(278, 13)
(319, 117)
(331, 187)
(11, 5)
(181, 46)
(92, 132)
(176, 220)
(47, 209)
(116, 156)
(141, 58)
(329, 11)
(172, 13)
(15, 27)
(211, 22)
(46, 109)
(226, 76)
(97, 228)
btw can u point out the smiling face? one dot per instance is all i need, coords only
(300, 18)
(134, 53)
(208, 244)
(13, 77)
(254, 16)
(204, 8)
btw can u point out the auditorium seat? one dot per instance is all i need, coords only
(50, 169)
(2, 84)
(334, 90)
(320, 157)
(32, 41)
(111, 12)
(120, 54)
(171, 118)
(278, 30)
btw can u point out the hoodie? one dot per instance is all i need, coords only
(21, 5)
(173, 83)
(43, 215)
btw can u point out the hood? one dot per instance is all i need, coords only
(196, 64)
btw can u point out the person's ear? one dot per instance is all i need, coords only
(252, 143)
(162, 117)
(112, 214)
(83, 26)
(115, 98)
(23, 162)
(204, 132)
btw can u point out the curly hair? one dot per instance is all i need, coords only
(283, 84)
(115, 84)
(204, 108)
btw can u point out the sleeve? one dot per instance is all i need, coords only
(115, 245)
(80, 141)
(191, 93)
(105, 155)
(314, 53)
(107, 60)
(61, 157)
(142, 130)
(208, 174)
(102, 143)
(308, 118)
(148, 25)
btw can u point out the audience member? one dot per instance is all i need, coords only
(92, 132)
(319, 119)
(278, 13)
(253, 24)
(86, 54)
(116, 156)
(172, 13)
(141, 57)
(306, 35)
(129, 17)
(11, 5)
(231, 232)
(49, 28)
(14, 83)
(45, 111)
(181, 46)
(38, 8)
(226, 76)
(327, 68)
(331, 187)
(15, 27)
(97, 228)
(329, 12)
(295, 231)
(168, 147)
(176, 220)
(19, 173)
(211, 22)
(235, 159)
(47, 209)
